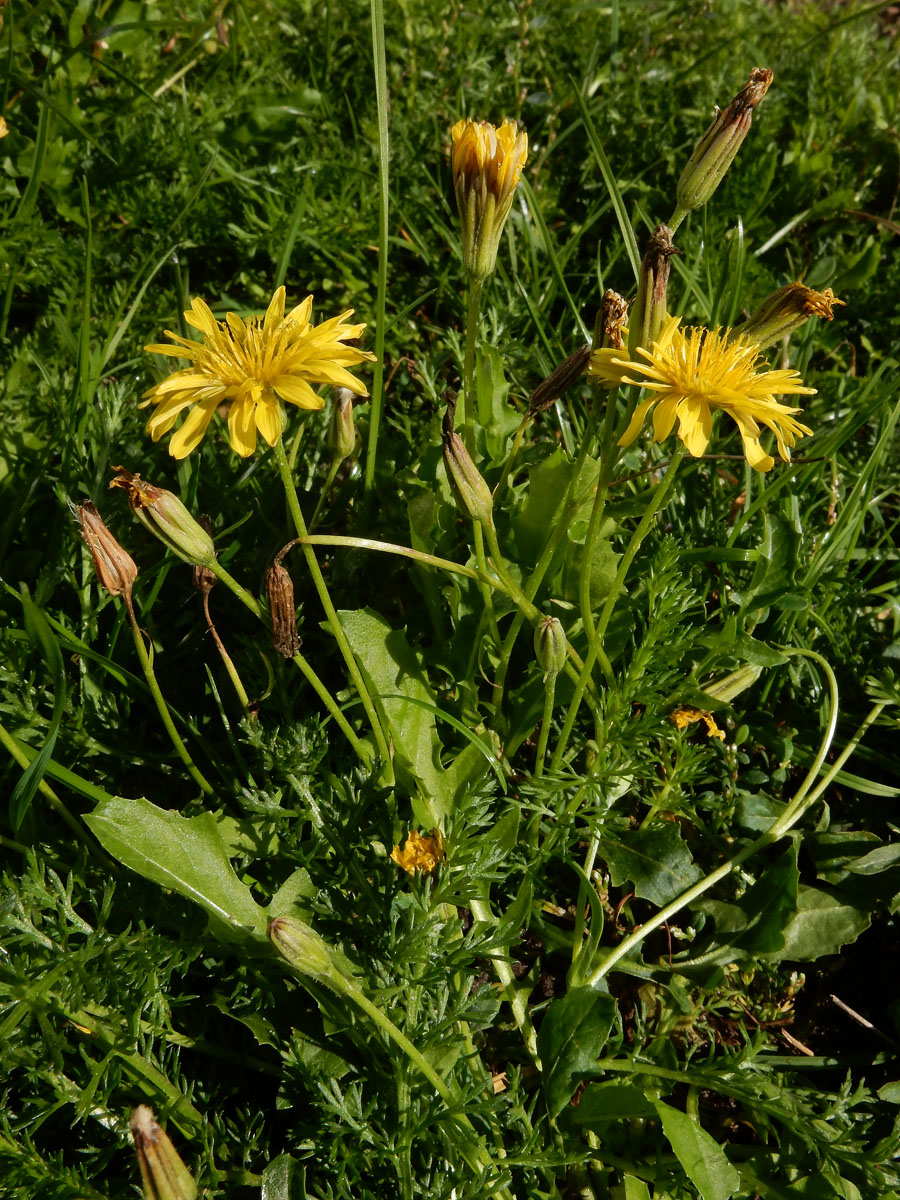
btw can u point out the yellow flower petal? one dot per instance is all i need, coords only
(268, 420)
(297, 391)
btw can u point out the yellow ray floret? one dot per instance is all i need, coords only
(251, 364)
(691, 373)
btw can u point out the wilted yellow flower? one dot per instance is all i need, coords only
(252, 364)
(487, 166)
(686, 715)
(786, 310)
(691, 374)
(420, 853)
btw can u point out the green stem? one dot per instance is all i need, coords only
(516, 997)
(660, 495)
(330, 611)
(549, 694)
(802, 801)
(468, 405)
(326, 488)
(163, 709)
(381, 99)
(361, 749)
(428, 560)
(236, 682)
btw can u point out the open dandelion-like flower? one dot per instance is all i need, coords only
(251, 363)
(487, 165)
(692, 373)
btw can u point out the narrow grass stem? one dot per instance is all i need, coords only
(360, 747)
(330, 612)
(163, 709)
(549, 695)
(379, 62)
(236, 682)
(326, 488)
(428, 560)
(660, 495)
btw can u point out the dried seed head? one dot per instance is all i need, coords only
(115, 568)
(164, 1175)
(166, 518)
(559, 380)
(280, 592)
(648, 312)
(715, 151)
(610, 323)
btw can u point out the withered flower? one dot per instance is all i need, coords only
(115, 568)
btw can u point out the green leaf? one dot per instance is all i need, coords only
(497, 419)
(755, 925)
(277, 1179)
(655, 861)
(635, 1189)
(547, 485)
(603, 1102)
(700, 1155)
(821, 925)
(185, 854)
(42, 636)
(396, 678)
(572, 1036)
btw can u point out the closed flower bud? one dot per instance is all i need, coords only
(280, 593)
(305, 950)
(166, 518)
(163, 1174)
(786, 310)
(487, 166)
(471, 489)
(559, 381)
(715, 151)
(203, 579)
(342, 434)
(550, 646)
(115, 568)
(648, 313)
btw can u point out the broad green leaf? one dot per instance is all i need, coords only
(547, 485)
(185, 854)
(635, 1189)
(603, 1102)
(277, 1179)
(756, 924)
(396, 678)
(821, 925)
(573, 1033)
(604, 564)
(497, 419)
(656, 861)
(701, 1156)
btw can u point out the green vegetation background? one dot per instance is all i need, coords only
(160, 150)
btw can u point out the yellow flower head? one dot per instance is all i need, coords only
(420, 853)
(691, 374)
(687, 715)
(251, 364)
(487, 166)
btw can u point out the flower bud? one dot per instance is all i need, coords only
(203, 579)
(648, 312)
(715, 151)
(550, 646)
(305, 950)
(784, 311)
(342, 434)
(559, 381)
(115, 568)
(166, 518)
(164, 1175)
(487, 166)
(471, 489)
(280, 592)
